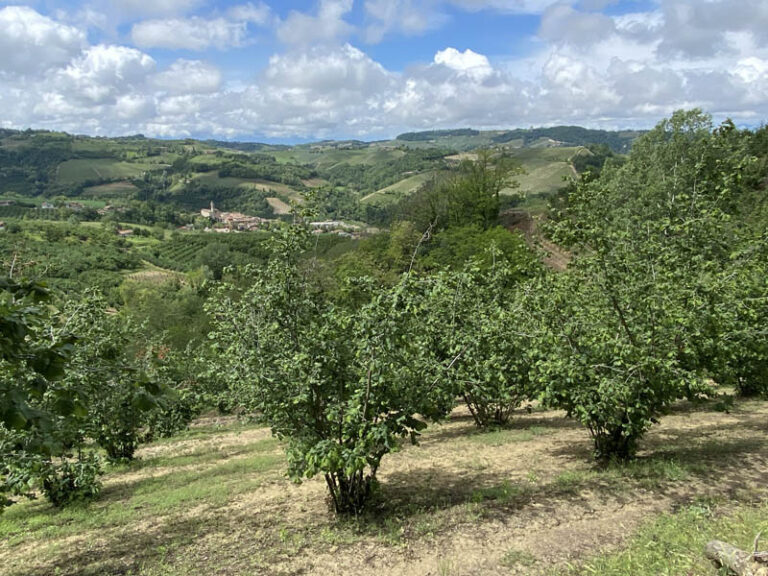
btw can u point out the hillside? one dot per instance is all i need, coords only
(523, 500)
(261, 179)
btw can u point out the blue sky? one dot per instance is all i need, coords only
(304, 69)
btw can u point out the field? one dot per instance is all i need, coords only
(75, 171)
(278, 206)
(327, 157)
(112, 190)
(545, 169)
(523, 500)
(398, 190)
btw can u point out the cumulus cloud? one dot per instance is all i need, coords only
(587, 68)
(103, 72)
(327, 25)
(31, 42)
(189, 33)
(188, 77)
(467, 63)
(400, 16)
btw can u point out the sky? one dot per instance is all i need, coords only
(288, 71)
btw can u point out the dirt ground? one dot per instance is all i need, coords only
(523, 500)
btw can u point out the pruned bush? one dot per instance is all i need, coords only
(628, 329)
(116, 379)
(479, 320)
(340, 385)
(71, 480)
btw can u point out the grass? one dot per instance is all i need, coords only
(114, 190)
(75, 171)
(673, 544)
(399, 189)
(500, 437)
(163, 486)
(215, 500)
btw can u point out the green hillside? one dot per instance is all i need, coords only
(361, 181)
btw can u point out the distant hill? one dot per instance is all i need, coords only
(619, 142)
(157, 179)
(467, 139)
(435, 134)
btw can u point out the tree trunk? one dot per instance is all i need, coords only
(737, 561)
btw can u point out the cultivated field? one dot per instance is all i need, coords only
(112, 190)
(74, 171)
(524, 500)
(399, 189)
(278, 206)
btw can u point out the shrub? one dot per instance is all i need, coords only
(71, 480)
(340, 385)
(480, 309)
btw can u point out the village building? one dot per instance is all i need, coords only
(233, 220)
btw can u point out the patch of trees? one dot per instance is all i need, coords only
(196, 195)
(332, 203)
(74, 384)
(619, 142)
(470, 196)
(435, 134)
(266, 168)
(593, 159)
(366, 178)
(664, 277)
(245, 146)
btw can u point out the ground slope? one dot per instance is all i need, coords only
(526, 500)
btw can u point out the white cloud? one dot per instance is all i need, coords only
(255, 13)
(188, 77)
(400, 16)
(560, 23)
(467, 63)
(135, 9)
(103, 72)
(328, 25)
(189, 33)
(31, 42)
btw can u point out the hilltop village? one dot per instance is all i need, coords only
(225, 222)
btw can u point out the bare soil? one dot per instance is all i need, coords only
(522, 221)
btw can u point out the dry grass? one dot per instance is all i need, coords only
(278, 206)
(524, 500)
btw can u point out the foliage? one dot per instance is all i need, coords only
(69, 257)
(340, 386)
(626, 330)
(32, 362)
(71, 480)
(469, 197)
(117, 376)
(481, 311)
